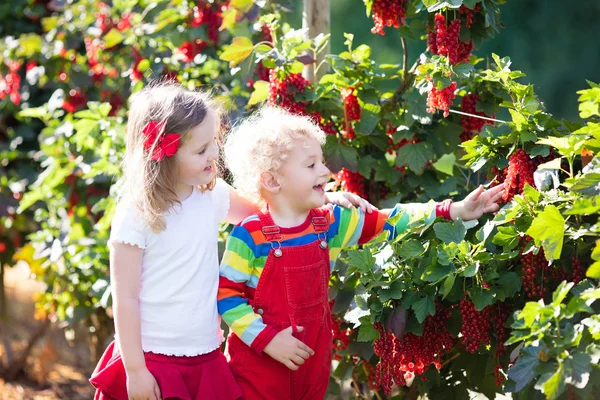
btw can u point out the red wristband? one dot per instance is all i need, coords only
(443, 209)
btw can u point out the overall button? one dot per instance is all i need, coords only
(260, 311)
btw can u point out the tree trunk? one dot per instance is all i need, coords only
(316, 17)
(17, 367)
(3, 305)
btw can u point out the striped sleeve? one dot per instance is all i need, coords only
(351, 226)
(235, 273)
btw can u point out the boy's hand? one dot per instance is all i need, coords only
(477, 203)
(348, 200)
(141, 385)
(288, 350)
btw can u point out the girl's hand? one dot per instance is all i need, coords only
(288, 350)
(141, 385)
(349, 200)
(477, 203)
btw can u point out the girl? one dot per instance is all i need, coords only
(276, 266)
(163, 254)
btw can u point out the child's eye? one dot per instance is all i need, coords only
(311, 165)
(202, 152)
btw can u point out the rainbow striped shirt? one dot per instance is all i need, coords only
(247, 250)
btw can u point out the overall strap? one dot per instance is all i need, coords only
(319, 221)
(268, 227)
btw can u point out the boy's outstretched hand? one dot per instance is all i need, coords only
(348, 200)
(477, 203)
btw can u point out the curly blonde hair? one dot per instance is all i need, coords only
(262, 143)
(148, 184)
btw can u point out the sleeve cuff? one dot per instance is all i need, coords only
(443, 209)
(263, 339)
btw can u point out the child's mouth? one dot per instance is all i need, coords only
(320, 188)
(208, 169)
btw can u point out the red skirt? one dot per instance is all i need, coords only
(206, 376)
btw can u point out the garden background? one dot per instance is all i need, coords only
(420, 101)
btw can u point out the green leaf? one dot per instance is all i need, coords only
(445, 164)
(242, 5)
(481, 298)
(577, 369)
(112, 38)
(424, 307)
(552, 384)
(448, 285)
(240, 48)
(566, 145)
(588, 184)
(584, 206)
(362, 260)
(463, 69)
(593, 271)
(143, 65)
(368, 6)
(554, 164)
(507, 237)
(509, 282)
(369, 116)
(260, 93)
(367, 332)
(29, 45)
(395, 291)
(561, 292)
(435, 273)
(519, 120)
(447, 253)
(471, 270)
(411, 248)
(530, 312)
(39, 112)
(531, 194)
(590, 102)
(415, 156)
(523, 372)
(450, 232)
(366, 165)
(548, 228)
(339, 156)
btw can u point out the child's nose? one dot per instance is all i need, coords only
(214, 152)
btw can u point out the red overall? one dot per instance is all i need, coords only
(292, 291)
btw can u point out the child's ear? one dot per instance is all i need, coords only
(269, 182)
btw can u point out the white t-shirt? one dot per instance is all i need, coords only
(180, 273)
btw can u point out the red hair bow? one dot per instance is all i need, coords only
(166, 145)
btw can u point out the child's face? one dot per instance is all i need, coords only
(196, 157)
(303, 176)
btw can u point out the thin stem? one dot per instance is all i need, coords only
(478, 116)
(448, 361)
(404, 57)
(357, 388)
(323, 61)
(570, 159)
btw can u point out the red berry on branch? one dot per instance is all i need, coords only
(352, 182)
(469, 14)
(578, 273)
(124, 23)
(441, 99)
(74, 101)
(475, 329)
(283, 92)
(390, 13)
